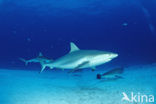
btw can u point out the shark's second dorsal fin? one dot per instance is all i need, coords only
(73, 47)
(40, 54)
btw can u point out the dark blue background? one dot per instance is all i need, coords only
(24, 32)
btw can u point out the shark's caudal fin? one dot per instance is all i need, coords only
(22, 59)
(73, 47)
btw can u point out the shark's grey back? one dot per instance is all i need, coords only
(77, 55)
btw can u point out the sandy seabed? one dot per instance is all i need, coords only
(51, 87)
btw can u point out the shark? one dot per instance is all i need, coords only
(79, 59)
(39, 59)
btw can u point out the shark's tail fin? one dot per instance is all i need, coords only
(44, 65)
(25, 61)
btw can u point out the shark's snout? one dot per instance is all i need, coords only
(114, 55)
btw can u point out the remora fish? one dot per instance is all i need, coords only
(78, 59)
(112, 74)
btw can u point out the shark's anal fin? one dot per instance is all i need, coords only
(79, 66)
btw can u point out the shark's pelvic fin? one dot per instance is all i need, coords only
(73, 47)
(93, 68)
(51, 67)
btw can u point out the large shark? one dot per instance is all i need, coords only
(78, 59)
(40, 59)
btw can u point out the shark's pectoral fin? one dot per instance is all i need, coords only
(79, 66)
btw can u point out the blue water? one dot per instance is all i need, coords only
(27, 27)
(30, 27)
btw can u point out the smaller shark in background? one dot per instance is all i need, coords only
(40, 59)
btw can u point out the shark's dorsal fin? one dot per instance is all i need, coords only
(40, 54)
(73, 47)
